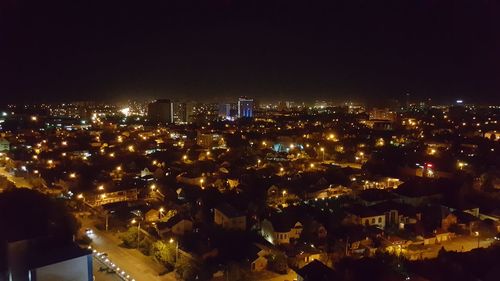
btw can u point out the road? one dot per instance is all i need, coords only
(17, 181)
(137, 265)
(458, 244)
(102, 276)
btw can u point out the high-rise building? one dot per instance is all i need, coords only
(180, 112)
(245, 107)
(225, 110)
(161, 111)
(382, 114)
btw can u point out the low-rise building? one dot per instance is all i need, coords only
(177, 225)
(228, 217)
(279, 230)
(4, 145)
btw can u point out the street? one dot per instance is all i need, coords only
(17, 181)
(137, 265)
(458, 244)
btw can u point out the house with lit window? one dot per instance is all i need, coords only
(366, 216)
(280, 230)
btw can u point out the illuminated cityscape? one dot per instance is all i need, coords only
(228, 141)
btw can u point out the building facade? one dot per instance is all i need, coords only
(245, 107)
(161, 111)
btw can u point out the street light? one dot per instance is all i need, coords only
(201, 183)
(171, 241)
(138, 230)
(477, 234)
(323, 151)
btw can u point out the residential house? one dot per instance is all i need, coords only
(328, 192)
(304, 253)
(374, 196)
(419, 192)
(397, 214)
(316, 271)
(366, 216)
(228, 217)
(280, 229)
(177, 225)
(257, 254)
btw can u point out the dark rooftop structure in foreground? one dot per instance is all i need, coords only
(46, 259)
(316, 271)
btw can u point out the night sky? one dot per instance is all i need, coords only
(269, 49)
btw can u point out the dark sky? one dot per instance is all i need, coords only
(270, 49)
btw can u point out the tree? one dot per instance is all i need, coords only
(187, 268)
(129, 237)
(164, 252)
(145, 246)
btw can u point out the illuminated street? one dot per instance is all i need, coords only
(132, 261)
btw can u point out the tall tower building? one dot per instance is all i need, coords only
(225, 110)
(245, 107)
(161, 111)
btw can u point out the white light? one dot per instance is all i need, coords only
(125, 111)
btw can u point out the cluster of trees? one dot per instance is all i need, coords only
(163, 252)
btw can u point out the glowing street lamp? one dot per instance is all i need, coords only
(134, 221)
(201, 183)
(171, 241)
(323, 151)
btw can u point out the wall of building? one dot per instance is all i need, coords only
(76, 269)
